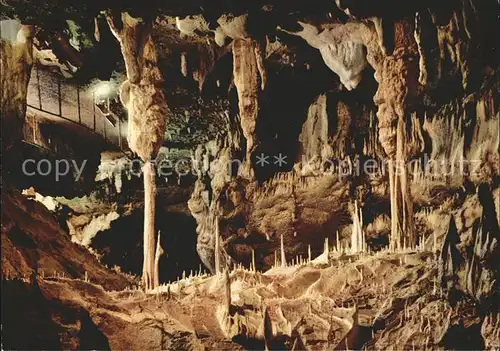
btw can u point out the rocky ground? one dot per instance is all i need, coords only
(57, 295)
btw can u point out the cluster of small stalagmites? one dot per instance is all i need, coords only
(251, 324)
(183, 283)
(276, 322)
(286, 184)
(454, 156)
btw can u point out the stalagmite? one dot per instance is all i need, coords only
(267, 329)
(145, 102)
(149, 229)
(159, 252)
(283, 258)
(397, 78)
(357, 239)
(217, 247)
(253, 261)
(338, 242)
(227, 281)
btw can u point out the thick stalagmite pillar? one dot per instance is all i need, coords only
(397, 76)
(147, 109)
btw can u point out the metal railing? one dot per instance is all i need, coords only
(70, 103)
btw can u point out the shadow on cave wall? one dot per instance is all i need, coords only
(122, 245)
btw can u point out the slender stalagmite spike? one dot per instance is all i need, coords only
(434, 243)
(156, 272)
(338, 242)
(227, 280)
(283, 258)
(253, 261)
(309, 252)
(217, 247)
(275, 259)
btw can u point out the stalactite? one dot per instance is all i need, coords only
(428, 49)
(16, 60)
(247, 67)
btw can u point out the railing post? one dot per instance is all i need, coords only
(38, 87)
(34, 125)
(78, 104)
(59, 94)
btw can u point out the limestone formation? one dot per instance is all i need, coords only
(248, 68)
(147, 109)
(16, 63)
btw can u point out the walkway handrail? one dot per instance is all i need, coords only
(39, 106)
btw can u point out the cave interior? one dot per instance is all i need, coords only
(250, 175)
